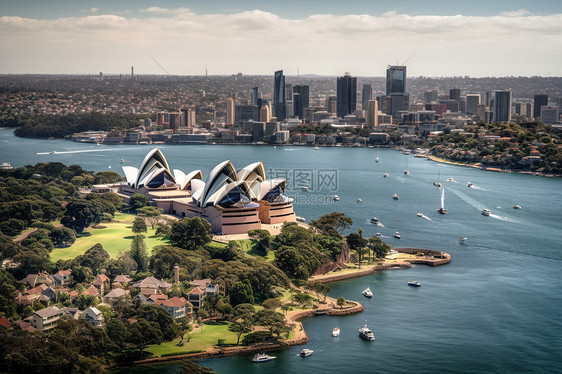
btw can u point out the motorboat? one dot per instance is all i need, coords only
(262, 357)
(437, 184)
(463, 239)
(316, 148)
(336, 198)
(367, 292)
(385, 175)
(406, 172)
(397, 235)
(378, 234)
(451, 180)
(395, 196)
(53, 152)
(300, 219)
(377, 159)
(486, 212)
(366, 333)
(306, 352)
(122, 161)
(442, 210)
(419, 214)
(336, 332)
(304, 188)
(374, 221)
(517, 207)
(468, 184)
(359, 201)
(414, 283)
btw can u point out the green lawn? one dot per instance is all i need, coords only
(248, 245)
(115, 238)
(200, 340)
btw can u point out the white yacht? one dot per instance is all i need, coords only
(304, 188)
(385, 175)
(306, 352)
(300, 219)
(316, 148)
(486, 212)
(395, 196)
(336, 332)
(122, 161)
(517, 207)
(367, 292)
(359, 201)
(397, 235)
(262, 357)
(366, 333)
(336, 198)
(419, 214)
(414, 283)
(375, 221)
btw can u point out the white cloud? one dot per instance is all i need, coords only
(257, 42)
(94, 10)
(516, 13)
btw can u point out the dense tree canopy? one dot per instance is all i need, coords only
(190, 233)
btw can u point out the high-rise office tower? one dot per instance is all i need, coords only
(254, 96)
(540, 100)
(279, 101)
(346, 95)
(472, 101)
(264, 114)
(303, 99)
(431, 96)
(502, 106)
(455, 94)
(366, 96)
(371, 118)
(331, 104)
(395, 80)
(230, 112)
(489, 98)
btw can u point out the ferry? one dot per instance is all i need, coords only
(367, 292)
(336, 332)
(306, 352)
(262, 357)
(486, 212)
(414, 283)
(366, 333)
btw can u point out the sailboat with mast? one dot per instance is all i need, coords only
(438, 183)
(442, 210)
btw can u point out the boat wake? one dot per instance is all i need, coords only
(470, 201)
(502, 218)
(84, 151)
(475, 187)
(426, 217)
(290, 149)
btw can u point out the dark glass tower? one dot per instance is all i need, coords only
(540, 100)
(396, 80)
(366, 96)
(301, 101)
(346, 95)
(279, 109)
(502, 106)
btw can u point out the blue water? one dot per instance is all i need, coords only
(495, 308)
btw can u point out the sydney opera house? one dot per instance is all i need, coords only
(233, 202)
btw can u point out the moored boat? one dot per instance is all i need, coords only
(397, 235)
(517, 207)
(304, 188)
(366, 333)
(336, 332)
(306, 352)
(359, 201)
(395, 196)
(367, 292)
(262, 357)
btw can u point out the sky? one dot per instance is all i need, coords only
(434, 38)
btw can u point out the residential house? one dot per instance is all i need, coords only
(115, 294)
(201, 288)
(177, 307)
(121, 281)
(93, 315)
(4, 322)
(26, 325)
(62, 277)
(33, 280)
(92, 291)
(195, 297)
(46, 319)
(102, 280)
(41, 293)
(151, 286)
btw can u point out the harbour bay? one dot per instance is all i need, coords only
(495, 308)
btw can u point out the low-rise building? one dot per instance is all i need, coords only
(46, 319)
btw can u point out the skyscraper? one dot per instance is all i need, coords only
(331, 104)
(540, 100)
(455, 94)
(395, 80)
(366, 96)
(279, 108)
(302, 100)
(371, 114)
(346, 95)
(431, 96)
(254, 95)
(502, 106)
(264, 114)
(229, 112)
(472, 101)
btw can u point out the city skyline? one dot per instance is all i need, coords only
(188, 38)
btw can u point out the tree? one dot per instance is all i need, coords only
(62, 236)
(320, 290)
(138, 201)
(190, 233)
(138, 253)
(185, 327)
(380, 248)
(341, 302)
(12, 227)
(139, 225)
(271, 304)
(356, 242)
(81, 213)
(263, 238)
(242, 293)
(333, 224)
(143, 333)
(240, 327)
(151, 214)
(94, 258)
(274, 322)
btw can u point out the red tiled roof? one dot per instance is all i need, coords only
(101, 278)
(196, 291)
(64, 272)
(91, 291)
(175, 302)
(4, 322)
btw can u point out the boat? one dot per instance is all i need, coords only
(336, 332)
(468, 184)
(438, 183)
(306, 352)
(442, 210)
(377, 159)
(419, 214)
(336, 198)
(300, 219)
(385, 175)
(304, 188)
(517, 207)
(374, 221)
(414, 283)
(451, 180)
(463, 239)
(53, 152)
(262, 357)
(366, 333)
(395, 197)
(359, 201)
(378, 234)
(367, 292)
(122, 161)
(397, 235)
(486, 212)
(406, 172)
(316, 148)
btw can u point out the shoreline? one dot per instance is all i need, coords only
(426, 257)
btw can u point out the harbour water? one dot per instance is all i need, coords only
(494, 308)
